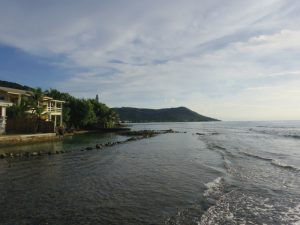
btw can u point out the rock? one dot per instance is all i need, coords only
(132, 139)
(49, 153)
(57, 152)
(2, 156)
(27, 154)
(89, 148)
(98, 146)
(200, 134)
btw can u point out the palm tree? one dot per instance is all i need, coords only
(36, 105)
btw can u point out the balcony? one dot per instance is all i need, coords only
(54, 109)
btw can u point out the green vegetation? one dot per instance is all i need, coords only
(77, 113)
(84, 113)
(180, 114)
(14, 85)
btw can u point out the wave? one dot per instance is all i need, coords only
(292, 136)
(287, 134)
(274, 162)
(283, 165)
(215, 188)
(244, 207)
(256, 156)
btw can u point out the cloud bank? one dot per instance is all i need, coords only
(234, 60)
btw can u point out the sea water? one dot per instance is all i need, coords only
(209, 173)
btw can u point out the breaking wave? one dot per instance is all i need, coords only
(274, 162)
(283, 165)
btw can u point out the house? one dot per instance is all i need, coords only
(3, 106)
(13, 95)
(53, 109)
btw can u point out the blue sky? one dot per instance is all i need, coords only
(237, 60)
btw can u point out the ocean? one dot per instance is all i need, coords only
(207, 173)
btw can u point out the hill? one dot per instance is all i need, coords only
(14, 85)
(180, 114)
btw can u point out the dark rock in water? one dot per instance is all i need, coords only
(40, 153)
(57, 152)
(49, 153)
(200, 134)
(132, 139)
(98, 146)
(2, 156)
(88, 148)
(27, 154)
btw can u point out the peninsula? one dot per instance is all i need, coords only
(179, 114)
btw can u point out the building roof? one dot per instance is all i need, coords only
(5, 103)
(25, 92)
(15, 91)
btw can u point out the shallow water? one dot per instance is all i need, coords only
(232, 173)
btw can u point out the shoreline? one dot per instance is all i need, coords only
(51, 137)
(24, 139)
(9, 140)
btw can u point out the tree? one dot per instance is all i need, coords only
(18, 111)
(81, 113)
(35, 104)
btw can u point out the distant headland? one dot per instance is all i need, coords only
(179, 114)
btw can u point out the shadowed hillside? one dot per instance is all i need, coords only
(180, 114)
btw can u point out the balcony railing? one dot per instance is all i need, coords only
(54, 109)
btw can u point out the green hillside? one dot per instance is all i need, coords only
(180, 114)
(14, 85)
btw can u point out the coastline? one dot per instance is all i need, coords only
(17, 140)
(20, 139)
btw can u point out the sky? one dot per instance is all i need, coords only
(231, 60)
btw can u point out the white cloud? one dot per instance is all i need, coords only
(158, 54)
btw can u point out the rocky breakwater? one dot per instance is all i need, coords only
(133, 136)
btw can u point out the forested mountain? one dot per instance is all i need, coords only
(180, 114)
(14, 85)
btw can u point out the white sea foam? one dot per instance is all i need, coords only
(232, 207)
(215, 187)
(292, 215)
